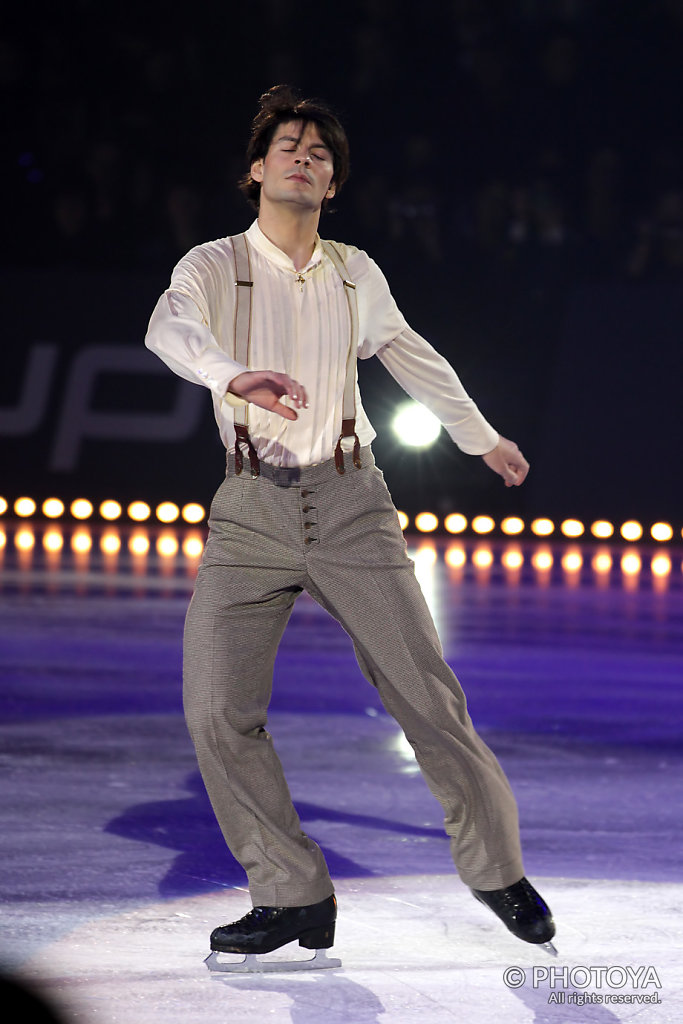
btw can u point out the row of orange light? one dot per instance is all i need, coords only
(425, 522)
(543, 560)
(512, 559)
(110, 510)
(512, 526)
(110, 543)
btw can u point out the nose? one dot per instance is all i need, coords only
(306, 159)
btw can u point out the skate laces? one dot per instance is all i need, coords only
(522, 897)
(258, 914)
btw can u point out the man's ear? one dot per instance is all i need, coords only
(257, 170)
(330, 192)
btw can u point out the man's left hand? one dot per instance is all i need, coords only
(507, 460)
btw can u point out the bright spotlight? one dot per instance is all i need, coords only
(110, 509)
(167, 512)
(81, 508)
(403, 520)
(138, 544)
(53, 508)
(631, 530)
(455, 556)
(630, 564)
(602, 562)
(425, 557)
(662, 531)
(24, 507)
(139, 511)
(193, 513)
(543, 527)
(661, 565)
(426, 522)
(24, 540)
(542, 560)
(167, 546)
(415, 426)
(482, 558)
(572, 528)
(572, 561)
(81, 542)
(512, 559)
(110, 543)
(455, 522)
(602, 528)
(512, 525)
(483, 524)
(193, 547)
(53, 541)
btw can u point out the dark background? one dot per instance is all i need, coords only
(517, 172)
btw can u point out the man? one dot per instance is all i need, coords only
(271, 322)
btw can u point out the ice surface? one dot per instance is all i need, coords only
(114, 871)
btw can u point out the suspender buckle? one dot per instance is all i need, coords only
(242, 437)
(348, 430)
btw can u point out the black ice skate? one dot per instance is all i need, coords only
(522, 911)
(265, 929)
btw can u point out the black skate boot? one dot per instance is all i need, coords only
(522, 911)
(265, 929)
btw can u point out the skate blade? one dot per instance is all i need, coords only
(549, 948)
(252, 965)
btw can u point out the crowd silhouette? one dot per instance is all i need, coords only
(538, 135)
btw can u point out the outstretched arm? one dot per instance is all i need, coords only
(507, 460)
(265, 388)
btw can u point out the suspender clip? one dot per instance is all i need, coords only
(348, 430)
(242, 437)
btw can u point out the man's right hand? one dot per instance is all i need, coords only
(265, 389)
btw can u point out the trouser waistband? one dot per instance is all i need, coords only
(303, 476)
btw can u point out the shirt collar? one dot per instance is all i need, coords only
(268, 249)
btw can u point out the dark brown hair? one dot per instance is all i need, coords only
(280, 105)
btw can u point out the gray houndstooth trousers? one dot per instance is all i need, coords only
(338, 538)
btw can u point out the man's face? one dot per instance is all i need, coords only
(298, 167)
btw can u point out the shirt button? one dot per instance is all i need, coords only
(304, 494)
(307, 526)
(305, 509)
(308, 540)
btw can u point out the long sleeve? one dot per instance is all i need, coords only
(186, 321)
(430, 379)
(424, 374)
(177, 335)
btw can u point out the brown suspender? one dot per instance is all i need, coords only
(241, 344)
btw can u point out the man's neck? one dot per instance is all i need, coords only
(293, 231)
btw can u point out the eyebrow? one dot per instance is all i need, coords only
(297, 139)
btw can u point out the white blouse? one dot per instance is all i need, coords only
(300, 326)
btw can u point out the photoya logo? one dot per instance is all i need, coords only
(611, 982)
(78, 417)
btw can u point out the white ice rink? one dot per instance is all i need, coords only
(413, 949)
